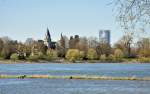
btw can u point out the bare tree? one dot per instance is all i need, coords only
(125, 44)
(1, 45)
(133, 15)
(29, 41)
(143, 47)
(103, 49)
(93, 42)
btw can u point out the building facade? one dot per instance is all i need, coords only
(104, 36)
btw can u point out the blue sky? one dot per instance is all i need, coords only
(21, 19)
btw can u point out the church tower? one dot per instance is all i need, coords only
(48, 40)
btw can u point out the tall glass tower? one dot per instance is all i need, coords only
(104, 36)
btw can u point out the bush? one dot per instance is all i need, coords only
(103, 57)
(14, 57)
(51, 54)
(82, 55)
(118, 54)
(33, 58)
(144, 60)
(91, 54)
(111, 57)
(41, 55)
(72, 55)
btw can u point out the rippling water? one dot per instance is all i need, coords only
(62, 86)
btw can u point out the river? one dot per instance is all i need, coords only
(68, 86)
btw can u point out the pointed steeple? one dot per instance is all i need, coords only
(48, 41)
(61, 35)
(48, 35)
(48, 38)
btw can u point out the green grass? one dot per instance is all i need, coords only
(85, 77)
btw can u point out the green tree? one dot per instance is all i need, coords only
(91, 54)
(82, 55)
(14, 56)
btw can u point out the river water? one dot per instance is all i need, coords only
(66, 86)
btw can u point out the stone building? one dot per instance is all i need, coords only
(48, 41)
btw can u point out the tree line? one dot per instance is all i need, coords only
(75, 48)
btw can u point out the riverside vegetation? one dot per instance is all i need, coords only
(75, 49)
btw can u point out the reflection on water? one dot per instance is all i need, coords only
(66, 86)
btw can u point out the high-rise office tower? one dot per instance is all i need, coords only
(104, 36)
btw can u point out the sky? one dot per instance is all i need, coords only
(22, 19)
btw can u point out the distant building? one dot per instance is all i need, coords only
(40, 41)
(104, 36)
(48, 41)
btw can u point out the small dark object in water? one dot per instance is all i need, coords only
(71, 77)
(22, 77)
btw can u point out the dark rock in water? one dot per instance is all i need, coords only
(22, 77)
(71, 77)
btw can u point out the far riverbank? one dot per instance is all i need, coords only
(77, 61)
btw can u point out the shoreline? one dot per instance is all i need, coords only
(65, 62)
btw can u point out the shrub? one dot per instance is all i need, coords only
(103, 57)
(51, 54)
(41, 55)
(33, 58)
(72, 55)
(14, 57)
(144, 60)
(82, 55)
(118, 54)
(111, 57)
(91, 54)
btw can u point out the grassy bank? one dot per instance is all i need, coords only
(85, 77)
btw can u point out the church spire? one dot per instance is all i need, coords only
(48, 41)
(48, 35)
(61, 35)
